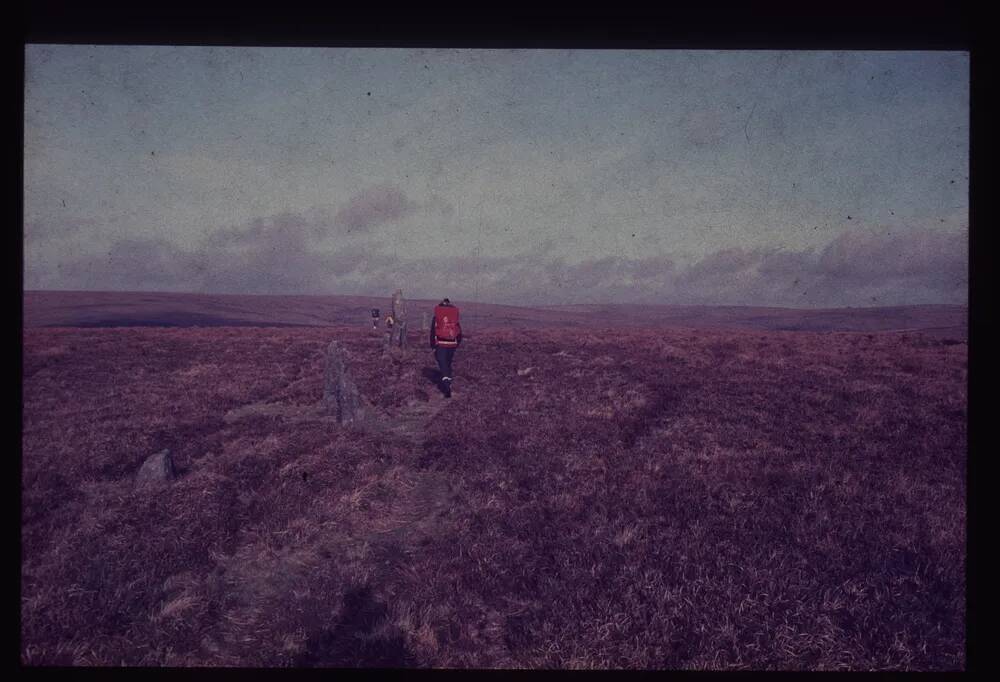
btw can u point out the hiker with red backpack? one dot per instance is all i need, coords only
(446, 336)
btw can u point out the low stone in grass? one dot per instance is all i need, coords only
(156, 470)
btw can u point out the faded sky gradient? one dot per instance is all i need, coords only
(793, 178)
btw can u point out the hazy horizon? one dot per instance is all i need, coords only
(388, 296)
(797, 179)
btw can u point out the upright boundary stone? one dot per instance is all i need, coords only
(402, 335)
(397, 335)
(340, 394)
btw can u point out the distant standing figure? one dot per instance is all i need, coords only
(375, 316)
(387, 337)
(446, 336)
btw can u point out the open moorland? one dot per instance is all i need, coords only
(665, 497)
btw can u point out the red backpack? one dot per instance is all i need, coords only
(446, 326)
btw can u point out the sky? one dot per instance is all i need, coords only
(530, 177)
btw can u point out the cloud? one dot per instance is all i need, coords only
(285, 253)
(131, 264)
(440, 206)
(289, 252)
(374, 206)
(872, 258)
(721, 266)
(38, 231)
(856, 268)
(267, 255)
(272, 230)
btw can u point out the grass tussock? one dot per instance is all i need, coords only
(674, 499)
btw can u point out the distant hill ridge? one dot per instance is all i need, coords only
(129, 309)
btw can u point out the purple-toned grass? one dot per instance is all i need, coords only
(669, 499)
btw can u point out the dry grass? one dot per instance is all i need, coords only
(674, 499)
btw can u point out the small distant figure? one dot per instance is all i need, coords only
(446, 336)
(375, 315)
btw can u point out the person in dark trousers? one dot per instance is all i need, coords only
(446, 336)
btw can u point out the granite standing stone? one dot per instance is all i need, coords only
(399, 317)
(340, 393)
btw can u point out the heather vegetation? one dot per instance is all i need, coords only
(668, 499)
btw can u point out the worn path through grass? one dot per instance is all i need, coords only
(415, 496)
